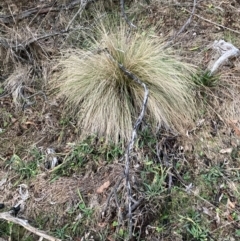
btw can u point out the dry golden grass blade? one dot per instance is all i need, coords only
(106, 102)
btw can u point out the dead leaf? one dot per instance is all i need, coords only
(227, 150)
(78, 239)
(103, 187)
(230, 204)
(102, 225)
(30, 123)
(200, 122)
(232, 124)
(230, 218)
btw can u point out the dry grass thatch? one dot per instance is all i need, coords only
(106, 102)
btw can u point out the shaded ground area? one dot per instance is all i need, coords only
(185, 187)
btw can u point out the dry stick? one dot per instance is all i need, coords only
(189, 19)
(131, 143)
(217, 24)
(124, 15)
(82, 6)
(184, 26)
(133, 137)
(39, 10)
(25, 44)
(24, 223)
(110, 195)
(120, 217)
(46, 9)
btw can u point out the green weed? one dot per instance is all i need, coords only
(153, 177)
(193, 227)
(92, 150)
(26, 170)
(204, 78)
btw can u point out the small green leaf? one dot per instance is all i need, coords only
(121, 232)
(148, 163)
(237, 232)
(115, 224)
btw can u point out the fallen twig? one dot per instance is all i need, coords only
(23, 46)
(124, 15)
(82, 6)
(24, 223)
(39, 10)
(133, 137)
(189, 19)
(120, 217)
(110, 195)
(184, 26)
(214, 23)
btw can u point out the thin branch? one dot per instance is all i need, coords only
(124, 15)
(184, 26)
(39, 10)
(133, 137)
(110, 195)
(189, 19)
(83, 4)
(24, 223)
(217, 24)
(26, 43)
(118, 206)
(136, 204)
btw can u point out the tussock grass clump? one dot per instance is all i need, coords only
(106, 102)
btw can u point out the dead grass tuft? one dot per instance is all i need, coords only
(106, 102)
(15, 84)
(227, 96)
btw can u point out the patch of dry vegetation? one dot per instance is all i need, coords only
(106, 102)
(187, 188)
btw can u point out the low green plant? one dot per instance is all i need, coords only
(194, 228)
(61, 232)
(5, 228)
(25, 169)
(204, 78)
(146, 139)
(237, 233)
(213, 175)
(153, 178)
(105, 101)
(92, 150)
(79, 217)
